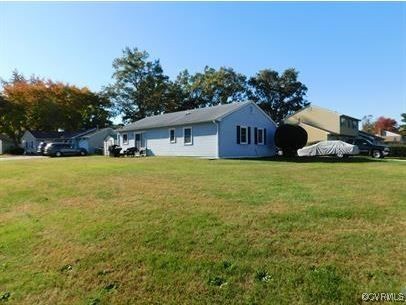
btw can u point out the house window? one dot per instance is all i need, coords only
(260, 136)
(187, 136)
(244, 135)
(342, 122)
(172, 138)
(354, 125)
(125, 138)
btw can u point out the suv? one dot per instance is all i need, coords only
(372, 149)
(61, 149)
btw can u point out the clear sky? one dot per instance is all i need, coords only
(351, 56)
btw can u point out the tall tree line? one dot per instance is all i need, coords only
(140, 88)
(37, 104)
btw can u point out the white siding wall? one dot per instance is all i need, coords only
(158, 144)
(29, 143)
(95, 140)
(251, 116)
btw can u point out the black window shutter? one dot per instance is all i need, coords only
(249, 135)
(256, 135)
(238, 134)
(264, 136)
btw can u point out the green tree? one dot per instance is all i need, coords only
(210, 87)
(278, 95)
(368, 124)
(140, 88)
(11, 119)
(402, 127)
(213, 87)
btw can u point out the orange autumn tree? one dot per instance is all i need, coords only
(383, 123)
(38, 104)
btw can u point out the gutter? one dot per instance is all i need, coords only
(217, 122)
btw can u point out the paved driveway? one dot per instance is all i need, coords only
(21, 158)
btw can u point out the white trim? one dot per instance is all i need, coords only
(174, 135)
(262, 132)
(246, 135)
(191, 136)
(265, 114)
(126, 141)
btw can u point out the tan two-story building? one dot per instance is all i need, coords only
(323, 124)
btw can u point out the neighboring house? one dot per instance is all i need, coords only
(95, 140)
(322, 124)
(234, 130)
(89, 139)
(5, 144)
(391, 137)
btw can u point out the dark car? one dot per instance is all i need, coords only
(366, 147)
(41, 148)
(62, 149)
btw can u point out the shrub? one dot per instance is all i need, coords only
(397, 150)
(290, 138)
(15, 151)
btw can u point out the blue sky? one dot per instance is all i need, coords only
(351, 56)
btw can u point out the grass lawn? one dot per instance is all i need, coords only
(100, 230)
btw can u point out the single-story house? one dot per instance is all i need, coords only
(323, 124)
(90, 139)
(95, 140)
(5, 144)
(236, 130)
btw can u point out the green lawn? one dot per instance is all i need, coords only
(100, 230)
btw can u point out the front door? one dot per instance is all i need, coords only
(138, 140)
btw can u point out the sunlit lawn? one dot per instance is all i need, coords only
(97, 230)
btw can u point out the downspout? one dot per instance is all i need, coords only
(218, 138)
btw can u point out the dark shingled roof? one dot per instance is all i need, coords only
(59, 134)
(193, 116)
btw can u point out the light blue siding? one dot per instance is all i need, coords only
(212, 139)
(250, 116)
(204, 141)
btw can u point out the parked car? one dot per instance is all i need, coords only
(369, 148)
(62, 149)
(329, 148)
(41, 148)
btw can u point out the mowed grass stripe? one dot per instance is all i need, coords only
(190, 231)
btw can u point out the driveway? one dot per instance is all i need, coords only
(21, 158)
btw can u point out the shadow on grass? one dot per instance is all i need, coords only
(317, 159)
